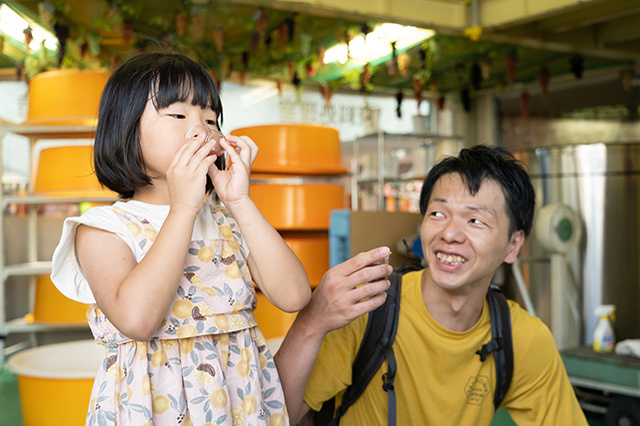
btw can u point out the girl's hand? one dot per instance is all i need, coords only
(233, 184)
(187, 174)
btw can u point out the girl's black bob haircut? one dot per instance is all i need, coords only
(165, 78)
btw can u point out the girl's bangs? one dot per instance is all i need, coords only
(184, 85)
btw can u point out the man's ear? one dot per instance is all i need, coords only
(515, 243)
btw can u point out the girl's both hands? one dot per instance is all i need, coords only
(186, 175)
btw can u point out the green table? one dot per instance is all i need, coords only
(606, 384)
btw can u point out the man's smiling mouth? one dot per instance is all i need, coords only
(449, 259)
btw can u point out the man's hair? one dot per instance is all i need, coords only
(481, 162)
(163, 78)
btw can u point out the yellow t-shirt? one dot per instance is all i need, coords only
(440, 379)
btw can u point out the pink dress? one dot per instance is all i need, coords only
(208, 363)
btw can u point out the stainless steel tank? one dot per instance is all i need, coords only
(602, 183)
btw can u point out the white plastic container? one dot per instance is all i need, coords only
(603, 337)
(55, 381)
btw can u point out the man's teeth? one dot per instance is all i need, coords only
(450, 259)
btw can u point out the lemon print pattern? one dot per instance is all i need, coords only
(237, 414)
(182, 309)
(134, 228)
(249, 404)
(206, 254)
(187, 345)
(208, 362)
(219, 398)
(160, 404)
(159, 358)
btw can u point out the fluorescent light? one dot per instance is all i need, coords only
(337, 53)
(377, 43)
(12, 24)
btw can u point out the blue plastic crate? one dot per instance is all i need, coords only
(339, 236)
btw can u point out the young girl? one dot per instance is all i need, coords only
(170, 276)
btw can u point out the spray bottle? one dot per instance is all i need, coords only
(603, 336)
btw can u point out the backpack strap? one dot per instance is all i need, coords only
(376, 346)
(387, 385)
(501, 343)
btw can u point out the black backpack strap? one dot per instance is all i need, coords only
(501, 343)
(376, 346)
(324, 417)
(387, 385)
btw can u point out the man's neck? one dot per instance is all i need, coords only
(456, 310)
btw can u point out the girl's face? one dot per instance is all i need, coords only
(163, 131)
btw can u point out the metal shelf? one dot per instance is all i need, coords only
(20, 325)
(33, 266)
(382, 143)
(27, 269)
(52, 132)
(391, 179)
(35, 199)
(293, 180)
(373, 137)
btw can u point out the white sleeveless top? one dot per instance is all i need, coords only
(66, 272)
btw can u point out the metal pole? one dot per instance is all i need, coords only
(381, 170)
(355, 178)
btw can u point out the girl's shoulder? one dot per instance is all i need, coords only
(109, 216)
(139, 209)
(66, 272)
(99, 216)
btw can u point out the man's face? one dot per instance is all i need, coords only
(465, 237)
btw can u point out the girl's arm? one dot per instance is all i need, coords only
(136, 296)
(274, 267)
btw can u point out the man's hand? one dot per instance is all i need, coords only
(348, 290)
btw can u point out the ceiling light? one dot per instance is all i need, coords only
(377, 43)
(13, 25)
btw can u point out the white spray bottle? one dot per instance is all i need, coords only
(603, 337)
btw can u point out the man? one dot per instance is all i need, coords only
(478, 209)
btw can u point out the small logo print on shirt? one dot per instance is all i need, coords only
(476, 389)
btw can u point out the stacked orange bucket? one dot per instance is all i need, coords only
(293, 184)
(55, 380)
(67, 97)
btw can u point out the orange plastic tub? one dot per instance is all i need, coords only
(67, 171)
(313, 252)
(272, 321)
(303, 207)
(298, 149)
(51, 306)
(55, 381)
(65, 97)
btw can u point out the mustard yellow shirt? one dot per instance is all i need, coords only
(440, 379)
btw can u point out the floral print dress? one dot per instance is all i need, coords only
(208, 362)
